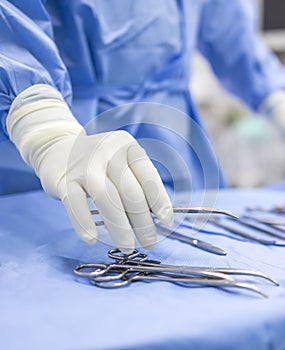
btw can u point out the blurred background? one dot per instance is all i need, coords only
(252, 143)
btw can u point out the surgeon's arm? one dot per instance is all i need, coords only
(28, 55)
(110, 168)
(229, 39)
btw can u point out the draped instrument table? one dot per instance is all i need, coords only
(43, 305)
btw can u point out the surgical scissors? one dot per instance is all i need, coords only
(195, 242)
(136, 266)
(185, 210)
(183, 238)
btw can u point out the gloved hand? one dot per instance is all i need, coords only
(274, 107)
(111, 168)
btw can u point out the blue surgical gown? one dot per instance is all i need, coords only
(102, 54)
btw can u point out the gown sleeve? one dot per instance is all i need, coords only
(229, 39)
(28, 54)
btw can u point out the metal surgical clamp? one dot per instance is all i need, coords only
(187, 239)
(136, 266)
(118, 256)
(122, 282)
(99, 270)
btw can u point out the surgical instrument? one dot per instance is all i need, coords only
(279, 228)
(136, 266)
(269, 221)
(168, 232)
(183, 238)
(122, 282)
(185, 210)
(235, 230)
(143, 259)
(98, 269)
(277, 209)
(247, 221)
(202, 210)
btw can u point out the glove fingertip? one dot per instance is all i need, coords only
(165, 215)
(149, 246)
(89, 236)
(126, 250)
(91, 241)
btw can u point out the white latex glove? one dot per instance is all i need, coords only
(111, 168)
(274, 107)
